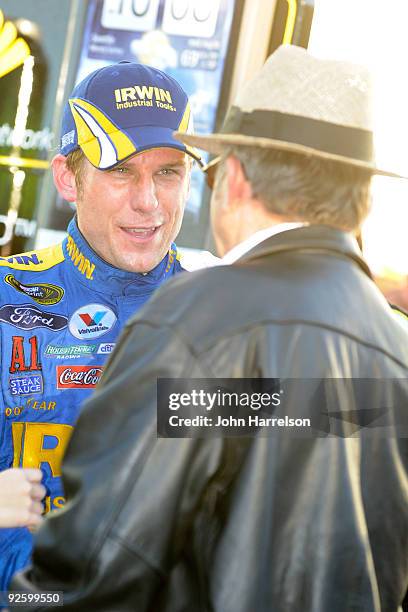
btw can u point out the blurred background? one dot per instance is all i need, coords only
(211, 47)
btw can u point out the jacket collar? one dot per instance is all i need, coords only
(93, 271)
(249, 243)
(309, 239)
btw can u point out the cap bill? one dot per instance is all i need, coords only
(106, 146)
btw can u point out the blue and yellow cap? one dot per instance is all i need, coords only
(125, 109)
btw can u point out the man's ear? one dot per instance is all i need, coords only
(239, 188)
(64, 179)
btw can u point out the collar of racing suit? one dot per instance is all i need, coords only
(97, 274)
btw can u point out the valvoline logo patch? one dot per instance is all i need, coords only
(91, 321)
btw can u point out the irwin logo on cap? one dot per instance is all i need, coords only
(143, 95)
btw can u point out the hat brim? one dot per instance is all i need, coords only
(216, 143)
(143, 138)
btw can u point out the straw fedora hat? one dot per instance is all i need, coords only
(303, 104)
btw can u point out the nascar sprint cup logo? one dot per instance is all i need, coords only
(78, 377)
(42, 293)
(91, 321)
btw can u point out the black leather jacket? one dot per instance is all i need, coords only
(245, 524)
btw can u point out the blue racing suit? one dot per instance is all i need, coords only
(61, 311)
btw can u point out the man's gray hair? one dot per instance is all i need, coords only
(307, 189)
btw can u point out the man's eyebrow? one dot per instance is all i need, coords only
(176, 164)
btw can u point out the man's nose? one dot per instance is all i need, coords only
(143, 195)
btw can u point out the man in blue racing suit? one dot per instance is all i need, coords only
(63, 307)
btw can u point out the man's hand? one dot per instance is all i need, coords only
(21, 493)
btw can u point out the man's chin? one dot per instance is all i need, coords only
(141, 265)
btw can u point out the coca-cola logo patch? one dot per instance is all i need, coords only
(26, 316)
(78, 377)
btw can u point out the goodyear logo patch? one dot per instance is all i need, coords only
(30, 403)
(143, 95)
(42, 293)
(79, 260)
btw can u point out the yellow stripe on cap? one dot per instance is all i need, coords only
(124, 146)
(96, 133)
(185, 120)
(86, 138)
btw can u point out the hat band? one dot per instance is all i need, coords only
(346, 141)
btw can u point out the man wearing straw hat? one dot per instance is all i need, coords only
(306, 510)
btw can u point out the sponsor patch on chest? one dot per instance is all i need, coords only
(78, 377)
(42, 293)
(26, 316)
